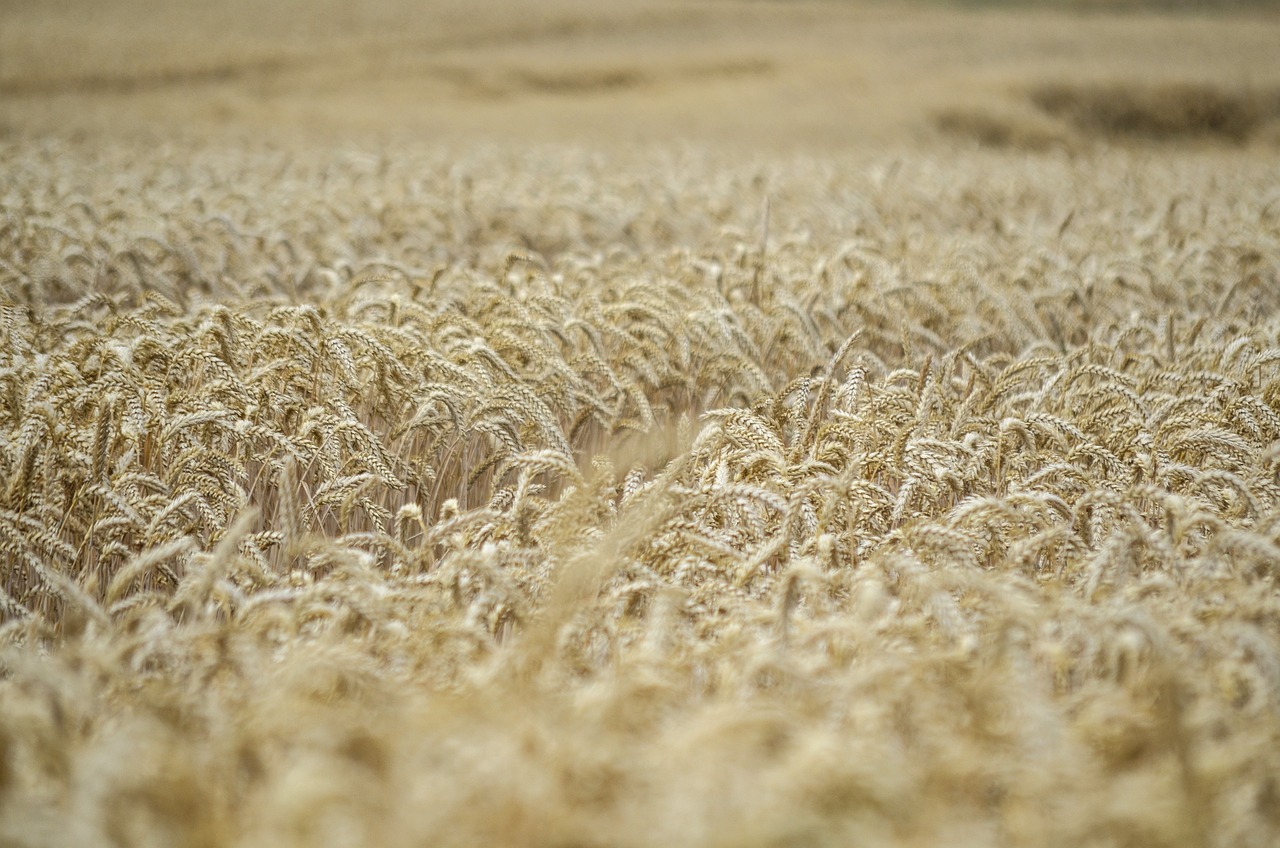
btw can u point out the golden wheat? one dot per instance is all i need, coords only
(526, 498)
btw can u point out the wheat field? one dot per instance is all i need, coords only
(470, 490)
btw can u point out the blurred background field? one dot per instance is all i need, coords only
(734, 72)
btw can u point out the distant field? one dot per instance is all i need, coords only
(710, 424)
(781, 75)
